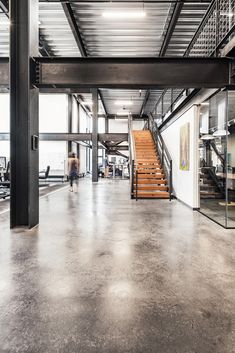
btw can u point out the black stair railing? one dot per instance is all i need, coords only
(163, 153)
(132, 161)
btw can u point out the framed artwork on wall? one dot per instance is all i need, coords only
(185, 147)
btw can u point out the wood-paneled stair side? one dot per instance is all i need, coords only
(150, 182)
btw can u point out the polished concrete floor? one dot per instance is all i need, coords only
(216, 210)
(106, 274)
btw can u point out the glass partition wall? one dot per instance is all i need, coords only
(217, 158)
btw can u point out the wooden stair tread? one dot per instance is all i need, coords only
(153, 187)
(151, 180)
(156, 194)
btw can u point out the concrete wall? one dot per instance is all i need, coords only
(185, 183)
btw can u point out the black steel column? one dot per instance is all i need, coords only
(95, 135)
(24, 114)
(78, 128)
(70, 119)
(106, 131)
(106, 124)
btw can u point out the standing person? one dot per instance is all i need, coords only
(73, 170)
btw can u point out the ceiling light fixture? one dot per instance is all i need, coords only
(123, 112)
(228, 14)
(207, 137)
(221, 133)
(123, 103)
(123, 14)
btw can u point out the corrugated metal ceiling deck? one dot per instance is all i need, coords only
(122, 37)
(108, 37)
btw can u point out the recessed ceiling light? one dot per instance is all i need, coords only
(123, 14)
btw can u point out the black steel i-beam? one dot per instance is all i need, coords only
(24, 204)
(139, 73)
(61, 136)
(95, 135)
(150, 73)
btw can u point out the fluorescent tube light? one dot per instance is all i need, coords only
(123, 14)
(124, 103)
(123, 112)
(228, 14)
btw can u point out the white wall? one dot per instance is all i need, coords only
(4, 124)
(54, 154)
(119, 125)
(4, 112)
(53, 113)
(137, 124)
(53, 117)
(75, 116)
(185, 183)
(83, 159)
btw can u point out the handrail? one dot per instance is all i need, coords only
(221, 158)
(132, 156)
(215, 179)
(160, 138)
(164, 154)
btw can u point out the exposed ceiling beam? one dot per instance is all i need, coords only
(78, 38)
(74, 28)
(130, 1)
(4, 6)
(44, 48)
(171, 27)
(136, 73)
(103, 103)
(170, 30)
(145, 101)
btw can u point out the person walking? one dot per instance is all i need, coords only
(73, 170)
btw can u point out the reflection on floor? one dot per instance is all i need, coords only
(43, 190)
(216, 209)
(106, 274)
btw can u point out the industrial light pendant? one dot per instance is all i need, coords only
(207, 137)
(221, 133)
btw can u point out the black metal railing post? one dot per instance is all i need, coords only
(132, 178)
(170, 181)
(136, 184)
(165, 158)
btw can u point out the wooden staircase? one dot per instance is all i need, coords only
(149, 176)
